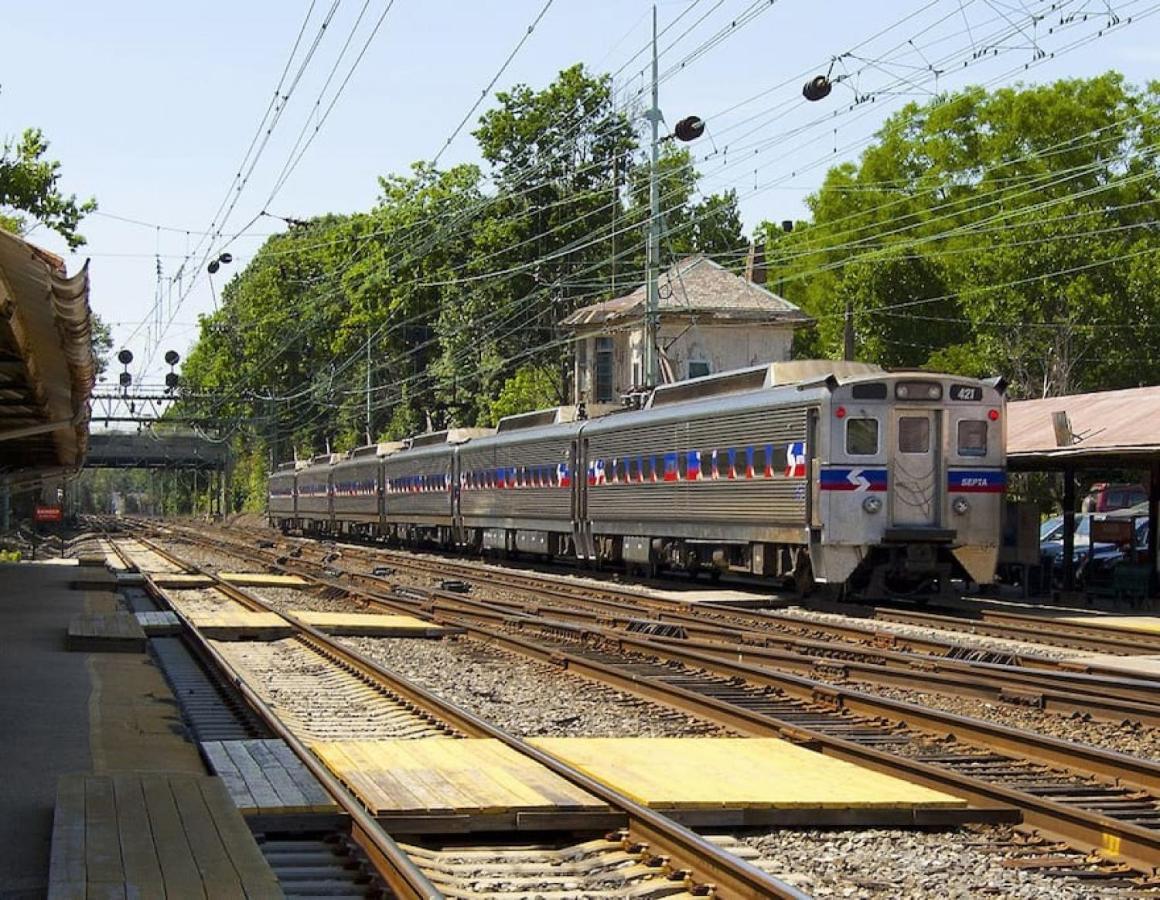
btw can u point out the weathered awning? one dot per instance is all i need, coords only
(1117, 428)
(46, 361)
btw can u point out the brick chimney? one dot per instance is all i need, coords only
(755, 263)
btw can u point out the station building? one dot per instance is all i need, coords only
(710, 321)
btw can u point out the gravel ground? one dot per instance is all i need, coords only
(193, 601)
(888, 863)
(985, 642)
(523, 696)
(1123, 737)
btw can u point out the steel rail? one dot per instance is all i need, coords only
(1113, 699)
(1140, 846)
(1082, 637)
(398, 870)
(688, 851)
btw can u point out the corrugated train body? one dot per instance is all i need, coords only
(833, 473)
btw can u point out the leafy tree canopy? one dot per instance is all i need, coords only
(1006, 232)
(29, 187)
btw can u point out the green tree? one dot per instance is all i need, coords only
(1006, 231)
(29, 186)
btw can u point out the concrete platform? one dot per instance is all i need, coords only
(371, 625)
(737, 773)
(66, 712)
(153, 836)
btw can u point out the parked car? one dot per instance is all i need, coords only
(1104, 497)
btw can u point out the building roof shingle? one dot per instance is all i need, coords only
(696, 285)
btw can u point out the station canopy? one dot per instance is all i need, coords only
(46, 363)
(1115, 429)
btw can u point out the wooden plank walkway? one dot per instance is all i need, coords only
(441, 784)
(118, 632)
(240, 624)
(264, 776)
(162, 622)
(181, 580)
(371, 624)
(737, 773)
(263, 579)
(153, 836)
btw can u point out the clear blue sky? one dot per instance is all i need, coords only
(150, 106)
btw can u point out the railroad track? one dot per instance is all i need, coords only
(1007, 626)
(1111, 697)
(653, 855)
(1097, 800)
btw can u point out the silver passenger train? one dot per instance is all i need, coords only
(811, 472)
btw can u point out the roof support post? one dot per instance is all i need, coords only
(1153, 515)
(654, 228)
(1068, 528)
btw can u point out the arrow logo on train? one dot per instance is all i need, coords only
(860, 481)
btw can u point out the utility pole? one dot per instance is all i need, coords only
(848, 332)
(654, 226)
(369, 439)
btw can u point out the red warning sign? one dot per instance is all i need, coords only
(48, 514)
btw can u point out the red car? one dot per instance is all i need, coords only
(1104, 497)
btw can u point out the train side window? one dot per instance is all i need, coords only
(722, 460)
(862, 437)
(621, 474)
(972, 437)
(740, 462)
(914, 434)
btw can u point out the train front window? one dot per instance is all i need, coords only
(862, 437)
(914, 434)
(972, 437)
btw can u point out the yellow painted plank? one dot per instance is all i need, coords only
(762, 773)
(443, 775)
(262, 579)
(367, 623)
(1145, 624)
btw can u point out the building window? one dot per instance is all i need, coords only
(603, 370)
(698, 368)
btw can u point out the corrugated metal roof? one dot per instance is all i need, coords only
(46, 359)
(1108, 423)
(696, 284)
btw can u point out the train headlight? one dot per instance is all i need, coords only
(872, 504)
(960, 506)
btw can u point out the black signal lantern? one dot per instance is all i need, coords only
(223, 260)
(172, 358)
(689, 128)
(817, 88)
(124, 358)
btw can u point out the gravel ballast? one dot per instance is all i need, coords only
(523, 696)
(875, 864)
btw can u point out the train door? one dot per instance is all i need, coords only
(578, 462)
(917, 462)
